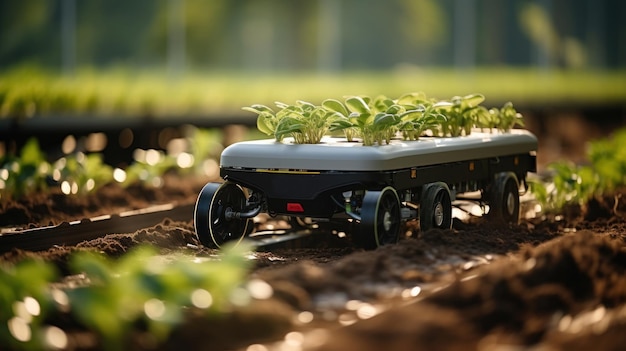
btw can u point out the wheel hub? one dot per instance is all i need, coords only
(438, 214)
(510, 203)
(387, 221)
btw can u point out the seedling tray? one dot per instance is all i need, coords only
(337, 154)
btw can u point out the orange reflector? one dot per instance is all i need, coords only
(294, 207)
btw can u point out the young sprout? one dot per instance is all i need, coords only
(425, 116)
(375, 120)
(379, 120)
(266, 121)
(25, 174)
(509, 118)
(342, 120)
(81, 173)
(462, 115)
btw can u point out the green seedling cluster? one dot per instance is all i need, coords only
(24, 174)
(78, 173)
(81, 173)
(572, 184)
(31, 173)
(305, 122)
(138, 294)
(381, 119)
(25, 303)
(148, 168)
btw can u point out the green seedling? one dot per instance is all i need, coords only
(503, 119)
(381, 119)
(267, 120)
(149, 167)
(342, 120)
(422, 117)
(204, 147)
(144, 287)
(572, 184)
(509, 118)
(25, 302)
(80, 174)
(462, 115)
(24, 175)
(141, 292)
(374, 123)
(608, 157)
(372, 120)
(305, 122)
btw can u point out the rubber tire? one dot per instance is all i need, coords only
(380, 219)
(435, 207)
(504, 205)
(212, 228)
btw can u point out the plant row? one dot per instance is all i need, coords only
(575, 184)
(118, 91)
(79, 173)
(381, 119)
(139, 294)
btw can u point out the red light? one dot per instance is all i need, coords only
(294, 207)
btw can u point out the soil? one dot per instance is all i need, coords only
(549, 283)
(544, 283)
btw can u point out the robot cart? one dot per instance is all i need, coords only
(376, 187)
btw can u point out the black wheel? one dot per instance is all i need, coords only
(504, 199)
(380, 218)
(212, 227)
(435, 207)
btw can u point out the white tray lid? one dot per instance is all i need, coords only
(337, 154)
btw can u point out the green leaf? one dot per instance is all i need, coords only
(357, 104)
(281, 105)
(258, 109)
(395, 109)
(336, 106)
(473, 99)
(411, 115)
(290, 110)
(265, 123)
(412, 98)
(443, 105)
(306, 106)
(382, 103)
(97, 267)
(362, 120)
(385, 120)
(341, 124)
(288, 125)
(31, 153)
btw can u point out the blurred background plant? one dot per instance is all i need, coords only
(192, 57)
(567, 183)
(324, 35)
(78, 172)
(119, 296)
(25, 174)
(25, 302)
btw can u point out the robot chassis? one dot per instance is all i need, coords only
(375, 187)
